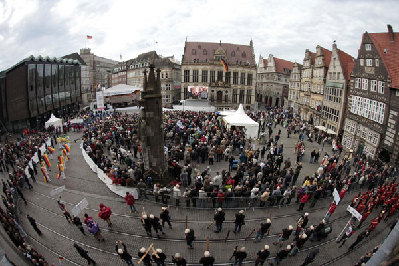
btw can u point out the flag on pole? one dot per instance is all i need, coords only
(89, 37)
(226, 68)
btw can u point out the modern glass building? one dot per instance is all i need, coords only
(36, 87)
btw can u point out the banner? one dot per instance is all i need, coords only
(337, 198)
(57, 191)
(354, 213)
(80, 207)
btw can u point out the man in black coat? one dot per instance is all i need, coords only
(239, 256)
(147, 258)
(83, 254)
(189, 237)
(282, 254)
(207, 259)
(263, 254)
(122, 252)
(156, 224)
(34, 225)
(219, 219)
(159, 258)
(239, 221)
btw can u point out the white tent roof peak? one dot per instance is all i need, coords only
(240, 110)
(53, 118)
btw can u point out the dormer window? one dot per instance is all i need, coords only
(368, 47)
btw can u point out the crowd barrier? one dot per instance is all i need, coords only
(119, 190)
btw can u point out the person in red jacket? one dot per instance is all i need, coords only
(365, 214)
(304, 199)
(331, 210)
(130, 200)
(374, 224)
(105, 213)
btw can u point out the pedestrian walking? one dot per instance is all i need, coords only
(130, 201)
(146, 257)
(62, 207)
(21, 195)
(178, 260)
(239, 221)
(83, 254)
(331, 210)
(156, 224)
(207, 259)
(159, 257)
(105, 213)
(285, 235)
(263, 229)
(146, 224)
(79, 225)
(219, 218)
(359, 239)
(263, 254)
(298, 244)
(304, 200)
(122, 252)
(311, 256)
(282, 254)
(349, 232)
(94, 229)
(165, 217)
(189, 237)
(239, 256)
(32, 221)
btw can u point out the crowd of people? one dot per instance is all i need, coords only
(14, 158)
(255, 176)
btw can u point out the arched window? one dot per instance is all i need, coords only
(244, 54)
(204, 52)
(193, 51)
(233, 54)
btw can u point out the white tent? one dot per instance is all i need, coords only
(53, 121)
(241, 119)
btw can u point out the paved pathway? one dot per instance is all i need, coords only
(59, 236)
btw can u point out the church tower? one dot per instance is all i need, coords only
(151, 134)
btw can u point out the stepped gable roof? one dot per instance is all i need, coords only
(327, 56)
(347, 62)
(389, 52)
(312, 57)
(204, 52)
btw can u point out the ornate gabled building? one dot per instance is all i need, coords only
(371, 123)
(306, 82)
(322, 61)
(205, 77)
(272, 81)
(335, 97)
(295, 88)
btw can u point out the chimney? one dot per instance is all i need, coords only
(390, 32)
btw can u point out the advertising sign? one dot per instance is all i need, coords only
(198, 91)
(100, 100)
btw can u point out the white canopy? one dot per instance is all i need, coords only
(53, 121)
(121, 89)
(321, 128)
(329, 131)
(241, 119)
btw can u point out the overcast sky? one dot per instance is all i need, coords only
(131, 27)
